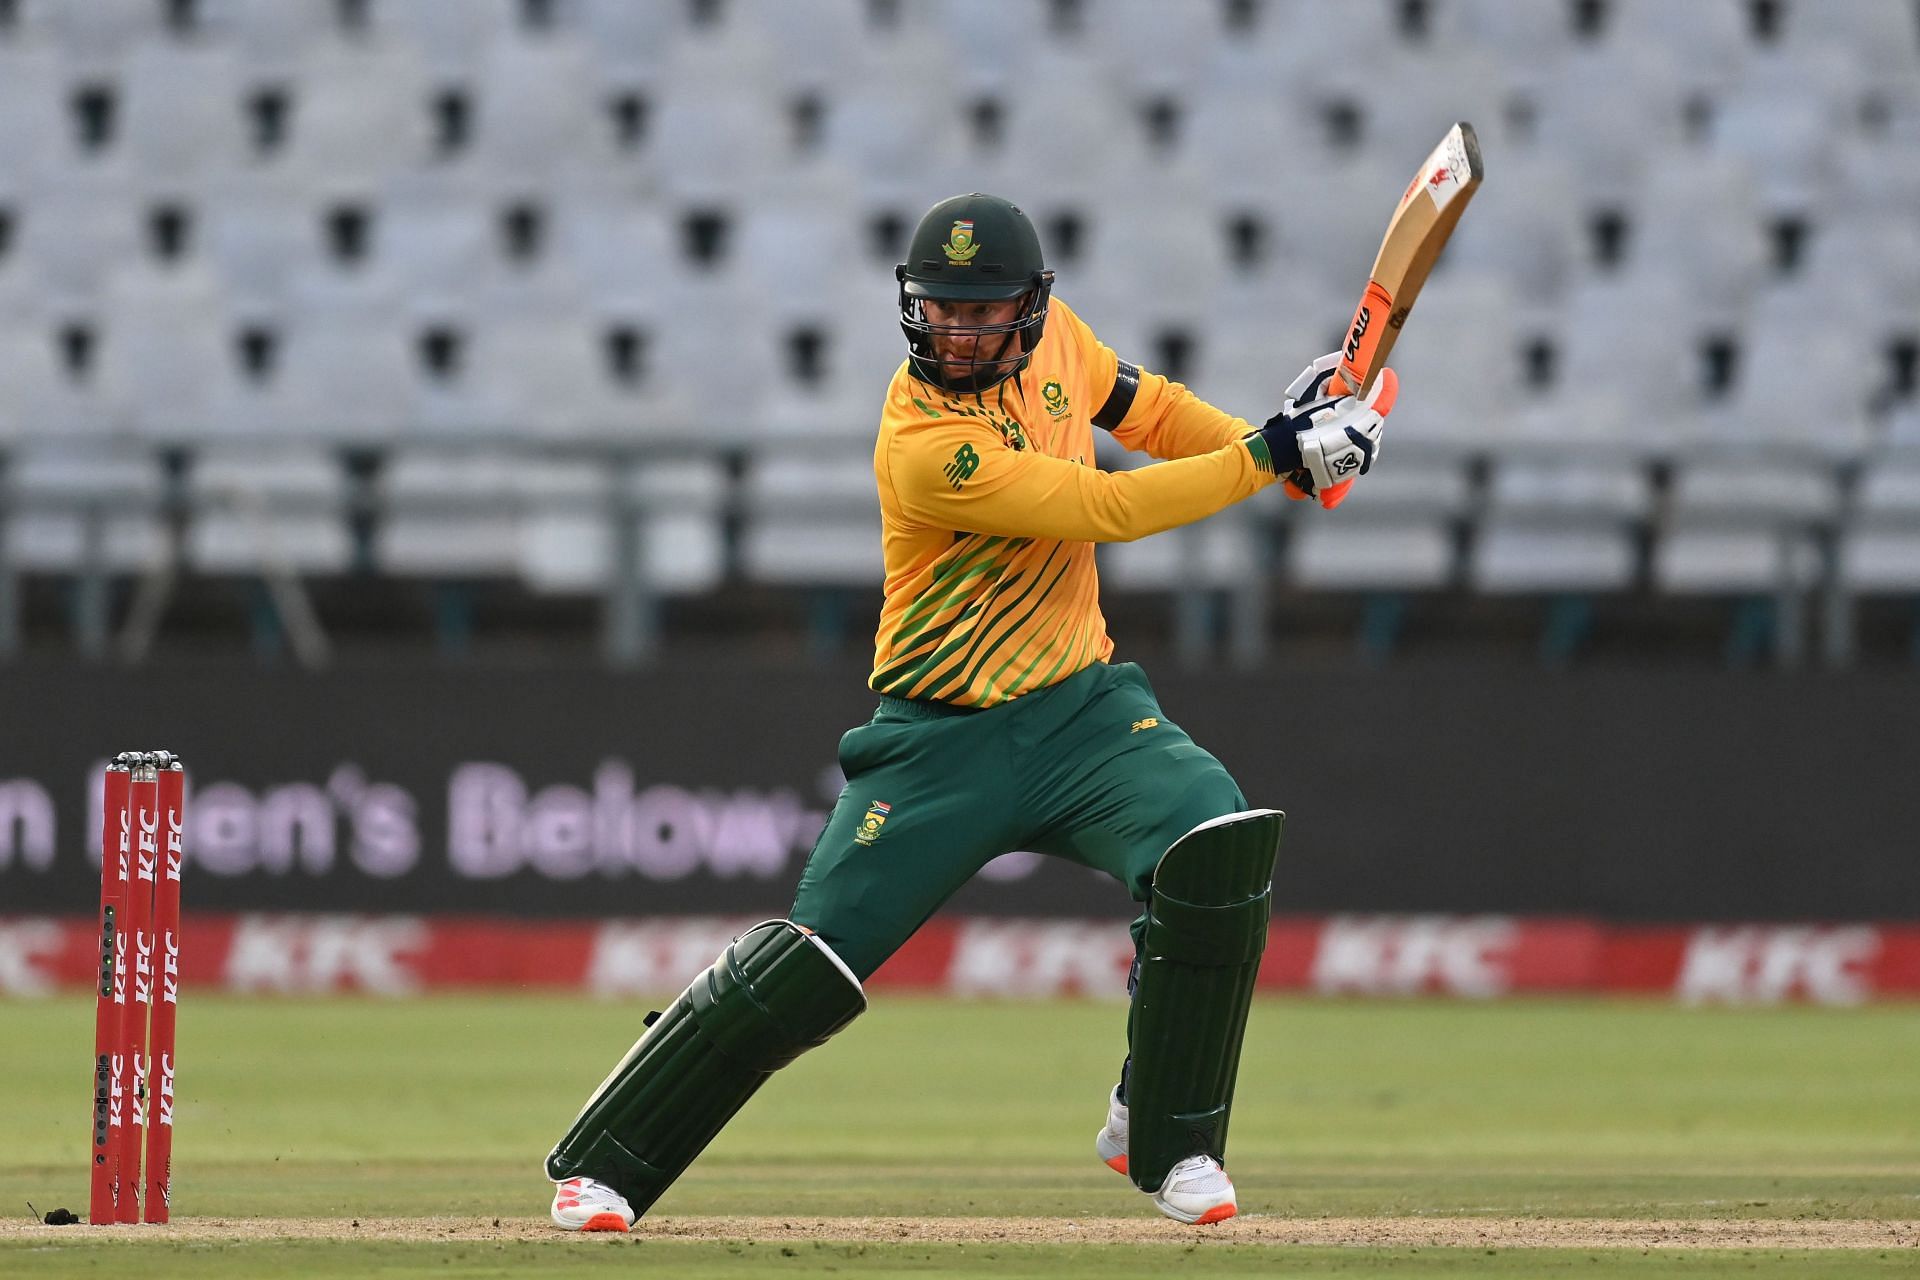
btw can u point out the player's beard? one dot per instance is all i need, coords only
(980, 370)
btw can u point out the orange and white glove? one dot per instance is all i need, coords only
(1321, 442)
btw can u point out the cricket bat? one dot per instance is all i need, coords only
(1417, 232)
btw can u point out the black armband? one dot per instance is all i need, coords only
(1126, 381)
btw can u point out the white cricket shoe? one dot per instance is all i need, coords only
(1111, 1145)
(1197, 1190)
(581, 1204)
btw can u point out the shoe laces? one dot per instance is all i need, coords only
(1197, 1174)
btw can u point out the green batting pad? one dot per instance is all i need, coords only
(1206, 930)
(775, 993)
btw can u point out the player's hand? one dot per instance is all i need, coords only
(1335, 438)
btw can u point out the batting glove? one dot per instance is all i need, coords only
(1321, 442)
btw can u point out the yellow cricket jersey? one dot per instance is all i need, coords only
(991, 504)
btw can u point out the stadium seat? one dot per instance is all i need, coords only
(984, 56)
(1782, 120)
(89, 507)
(436, 251)
(1626, 366)
(1525, 228)
(1611, 108)
(1221, 552)
(1879, 552)
(1246, 362)
(1150, 47)
(168, 357)
(71, 236)
(536, 120)
(182, 113)
(624, 254)
(1402, 127)
(1459, 362)
(34, 134)
(96, 36)
(1372, 557)
(1170, 256)
(812, 520)
(1525, 33)
(344, 375)
(820, 43)
(893, 141)
(1882, 38)
(259, 238)
(1717, 35)
(629, 40)
(1795, 374)
(683, 543)
(715, 144)
(564, 522)
(47, 400)
(567, 536)
(359, 115)
(269, 39)
(1067, 132)
(1683, 194)
(1394, 532)
(1742, 526)
(795, 259)
(1559, 526)
(263, 511)
(450, 514)
(449, 40)
(1866, 262)
(1879, 174)
(1243, 149)
(842, 406)
(1322, 235)
(546, 374)
(698, 385)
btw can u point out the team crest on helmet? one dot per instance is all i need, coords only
(1055, 397)
(960, 247)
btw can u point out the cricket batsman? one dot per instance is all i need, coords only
(1002, 725)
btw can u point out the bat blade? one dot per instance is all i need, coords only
(1426, 215)
(1428, 211)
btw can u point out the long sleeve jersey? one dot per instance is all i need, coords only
(991, 504)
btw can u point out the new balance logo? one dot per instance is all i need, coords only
(965, 463)
(1151, 722)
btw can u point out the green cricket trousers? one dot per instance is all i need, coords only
(1088, 769)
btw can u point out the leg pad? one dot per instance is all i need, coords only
(1206, 930)
(775, 993)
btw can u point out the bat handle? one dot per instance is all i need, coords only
(1334, 495)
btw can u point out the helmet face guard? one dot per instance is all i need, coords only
(1016, 338)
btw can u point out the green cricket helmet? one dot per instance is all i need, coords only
(973, 248)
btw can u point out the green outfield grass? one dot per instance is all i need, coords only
(359, 1109)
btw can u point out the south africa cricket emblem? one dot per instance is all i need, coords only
(1056, 399)
(960, 247)
(871, 824)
